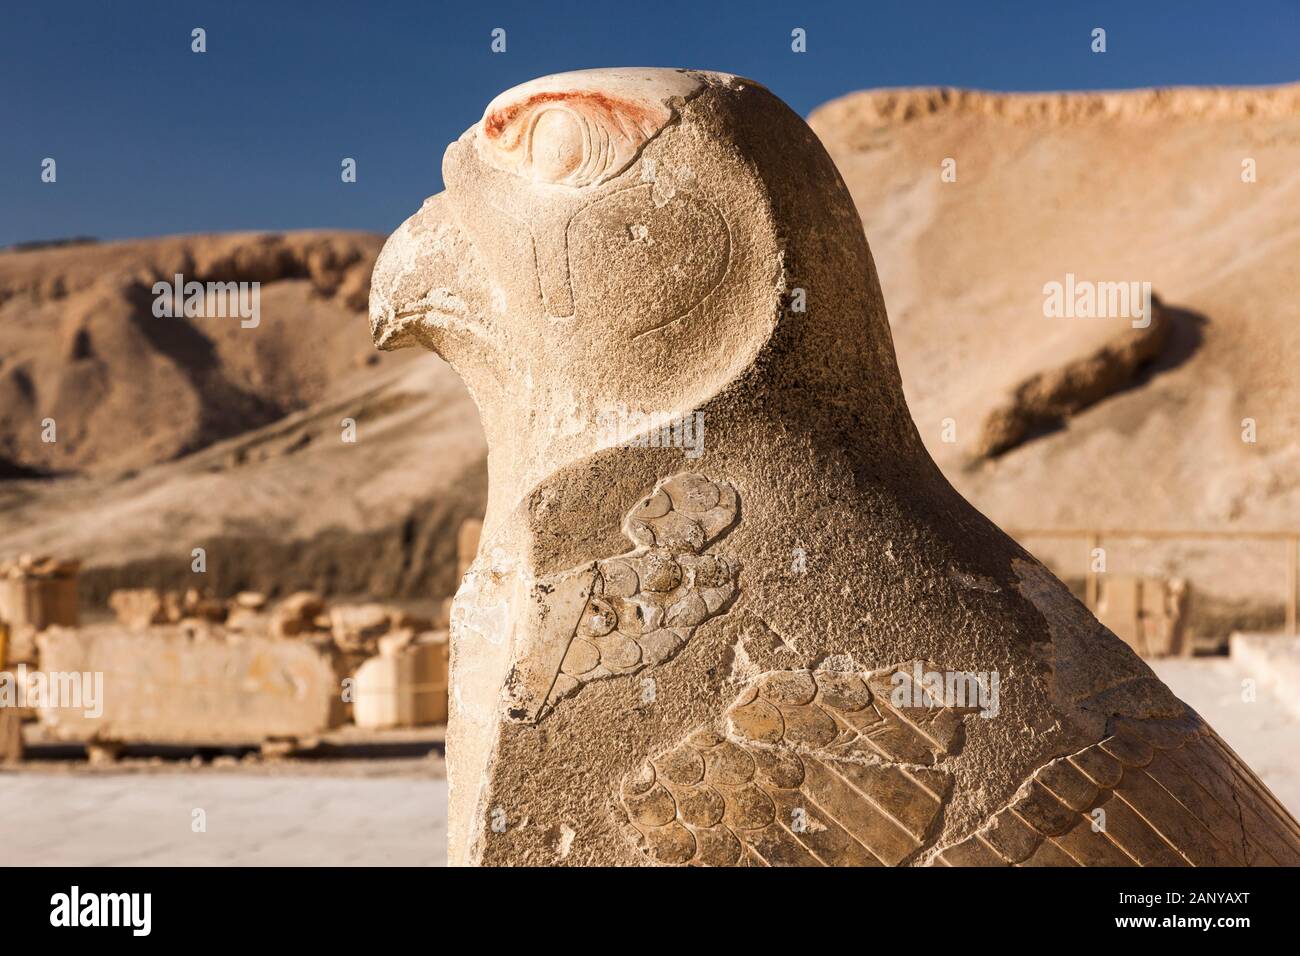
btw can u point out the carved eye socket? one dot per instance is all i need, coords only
(575, 139)
(557, 145)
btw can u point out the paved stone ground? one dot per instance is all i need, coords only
(145, 819)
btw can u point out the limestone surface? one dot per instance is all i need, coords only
(657, 289)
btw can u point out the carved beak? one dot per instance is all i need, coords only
(422, 291)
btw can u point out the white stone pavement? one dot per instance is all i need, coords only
(146, 819)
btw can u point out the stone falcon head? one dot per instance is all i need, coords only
(634, 238)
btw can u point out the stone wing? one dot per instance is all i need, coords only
(645, 605)
(808, 768)
(1169, 792)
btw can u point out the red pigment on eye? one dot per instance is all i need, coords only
(628, 112)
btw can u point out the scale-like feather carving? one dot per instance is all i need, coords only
(807, 768)
(1170, 792)
(644, 605)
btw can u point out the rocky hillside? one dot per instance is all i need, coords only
(974, 202)
(175, 433)
(80, 344)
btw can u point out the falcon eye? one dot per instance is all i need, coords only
(557, 145)
(577, 138)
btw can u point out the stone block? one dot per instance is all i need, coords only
(138, 608)
(1117, 607)
(170, 687)
(404, 688)
(297, 614)
(39, 593)
(1148, 613)
(1164, 617)
(359, 626)
(252, 600)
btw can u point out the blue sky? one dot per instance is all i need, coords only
(151, 138)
